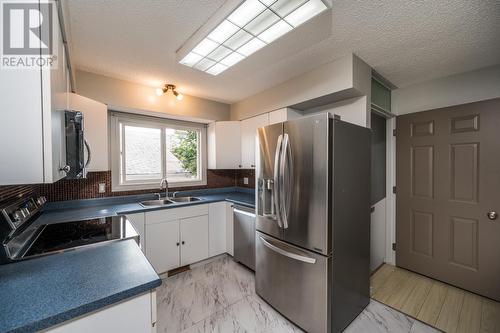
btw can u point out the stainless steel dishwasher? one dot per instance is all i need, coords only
(244, 235)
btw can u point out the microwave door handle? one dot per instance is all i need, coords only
(286, 253)
(89, 153)
(276, 184)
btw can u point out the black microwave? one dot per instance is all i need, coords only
(76, 165)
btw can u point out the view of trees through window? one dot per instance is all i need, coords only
(182, 154)
(143, 157)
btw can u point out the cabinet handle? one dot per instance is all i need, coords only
(183, 242)
(178, 244)
(252, 166)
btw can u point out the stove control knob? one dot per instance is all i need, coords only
(17, 215)
(25, 211)
(41, 200)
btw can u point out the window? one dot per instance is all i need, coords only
(145, 150)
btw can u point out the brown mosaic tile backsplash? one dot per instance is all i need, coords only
(249, 173)
(88, 188)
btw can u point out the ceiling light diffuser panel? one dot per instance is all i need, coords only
(250, 27)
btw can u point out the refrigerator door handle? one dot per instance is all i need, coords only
(284, 195)
(286, 253)
(276, 182)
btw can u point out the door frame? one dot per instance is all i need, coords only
(390, 206)
(390, 178)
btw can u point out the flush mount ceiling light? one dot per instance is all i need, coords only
(171, 87)
(248, 28)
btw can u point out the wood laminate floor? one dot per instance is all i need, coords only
(438, 304)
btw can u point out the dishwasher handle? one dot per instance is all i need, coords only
(238, 210)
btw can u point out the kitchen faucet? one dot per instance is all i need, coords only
(164, 181)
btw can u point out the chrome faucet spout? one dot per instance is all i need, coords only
(164, 184)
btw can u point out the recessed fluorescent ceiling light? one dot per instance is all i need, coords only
(250, 27)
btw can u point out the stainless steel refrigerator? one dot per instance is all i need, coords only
(313, 220)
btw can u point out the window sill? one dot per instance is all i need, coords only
(140, 187)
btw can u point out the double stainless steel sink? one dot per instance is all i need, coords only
(169, 201)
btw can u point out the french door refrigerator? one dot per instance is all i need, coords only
(313, 220)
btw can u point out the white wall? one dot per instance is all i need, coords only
(123, 95)
(457, 89)
(348, 77)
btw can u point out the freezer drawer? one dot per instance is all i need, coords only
(294, 281)
(244, 236)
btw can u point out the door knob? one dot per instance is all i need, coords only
(492, 215)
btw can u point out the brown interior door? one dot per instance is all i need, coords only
(448, 180)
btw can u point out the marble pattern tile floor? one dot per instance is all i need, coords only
(219, 296)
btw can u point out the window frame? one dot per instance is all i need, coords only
(118, 119)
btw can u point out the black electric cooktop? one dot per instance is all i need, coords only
(62, 236)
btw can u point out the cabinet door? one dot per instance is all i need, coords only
(194, 239)
(248, 137)
(129, 316)
(224, 147)
(162, 250)
(216, 228)
(21, 118)
(54, 102)
(229, 229)
(137, 220)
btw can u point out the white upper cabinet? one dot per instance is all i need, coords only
(224, 148)
(95, 123)
(248, 138)
(32, 121)
(281, 115)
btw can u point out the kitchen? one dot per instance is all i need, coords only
(249, 165)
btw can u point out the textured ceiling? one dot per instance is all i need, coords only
(405, 41)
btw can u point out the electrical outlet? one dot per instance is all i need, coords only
(245, 180)
(102, 187)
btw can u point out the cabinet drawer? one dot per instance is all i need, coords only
(164, 215)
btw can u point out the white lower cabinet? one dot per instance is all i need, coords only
(130, 316)
(229, 229)
(137, 220)
(176, 237)
(217, 228)
(162, 245)
(194, 239)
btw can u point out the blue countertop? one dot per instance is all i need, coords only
(40, 293)
(57, 212)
